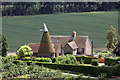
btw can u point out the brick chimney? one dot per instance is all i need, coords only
(73, 33)
(73, 36)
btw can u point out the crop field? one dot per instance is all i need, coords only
(21, 30)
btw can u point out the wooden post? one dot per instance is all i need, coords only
(92, 47)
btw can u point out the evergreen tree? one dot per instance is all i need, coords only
(117, 49)
(4, 46)
(112, 38)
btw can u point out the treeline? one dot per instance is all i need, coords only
(36, 8)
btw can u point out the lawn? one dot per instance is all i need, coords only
(21, 30)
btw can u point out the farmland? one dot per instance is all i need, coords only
(21, 30)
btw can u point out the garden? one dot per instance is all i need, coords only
(24, 65)
(67, 67)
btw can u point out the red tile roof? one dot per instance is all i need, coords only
(34, 47)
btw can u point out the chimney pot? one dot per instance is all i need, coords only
(73, 33)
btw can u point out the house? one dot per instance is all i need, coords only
(55, 45)
(80, 44)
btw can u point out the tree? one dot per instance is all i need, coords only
(4, 46)
(112, 38)
(24, 51)
(117, 49)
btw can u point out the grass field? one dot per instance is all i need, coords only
(21, 30)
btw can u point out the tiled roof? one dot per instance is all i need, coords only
(34, 47)
(79, 40)
(73, 45)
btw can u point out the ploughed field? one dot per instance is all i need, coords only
(21, 30)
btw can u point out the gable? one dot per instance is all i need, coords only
(72, 45)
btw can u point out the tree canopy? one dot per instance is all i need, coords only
(24, 51)
(36, 8)
(4, 46)
(112, 38)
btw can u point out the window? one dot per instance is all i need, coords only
(80, 50)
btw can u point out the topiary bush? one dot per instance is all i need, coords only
(54, 59)
(24, 51)
(67, 59)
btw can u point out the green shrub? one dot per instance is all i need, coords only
(111, 60)
(10, 58)
(66, 59)
(42, 59)
(26, 58)
(85, 59)
(95, 62)
(104, 51)
(54, 59)
(24, 51)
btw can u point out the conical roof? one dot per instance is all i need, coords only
(46, 46)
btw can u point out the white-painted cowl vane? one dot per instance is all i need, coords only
(45, 28)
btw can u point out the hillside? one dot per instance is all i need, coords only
(21, 30)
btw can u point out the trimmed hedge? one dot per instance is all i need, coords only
(85, 59)
(95, 62)
(26, 58)
(86, 69)
(111, 60)
(42, 59)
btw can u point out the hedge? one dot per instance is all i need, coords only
(26, 58)
(111, 60)
(86, 69)
(92, 70)
(42, 59)
(85, 59)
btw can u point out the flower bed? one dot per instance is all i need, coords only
(101, 60)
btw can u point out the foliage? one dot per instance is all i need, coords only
(85, 69)
(117, 49)
(41, 59)
(95, 62)
(27, 8)
(104, 53)
(112, 38)
(54, 59)
(4, 46)
(102, 76)
(22, 70)
(8, 59)
(24, 51)
(111, 60)
(85, 59)
(26, 58)
(66, 59)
